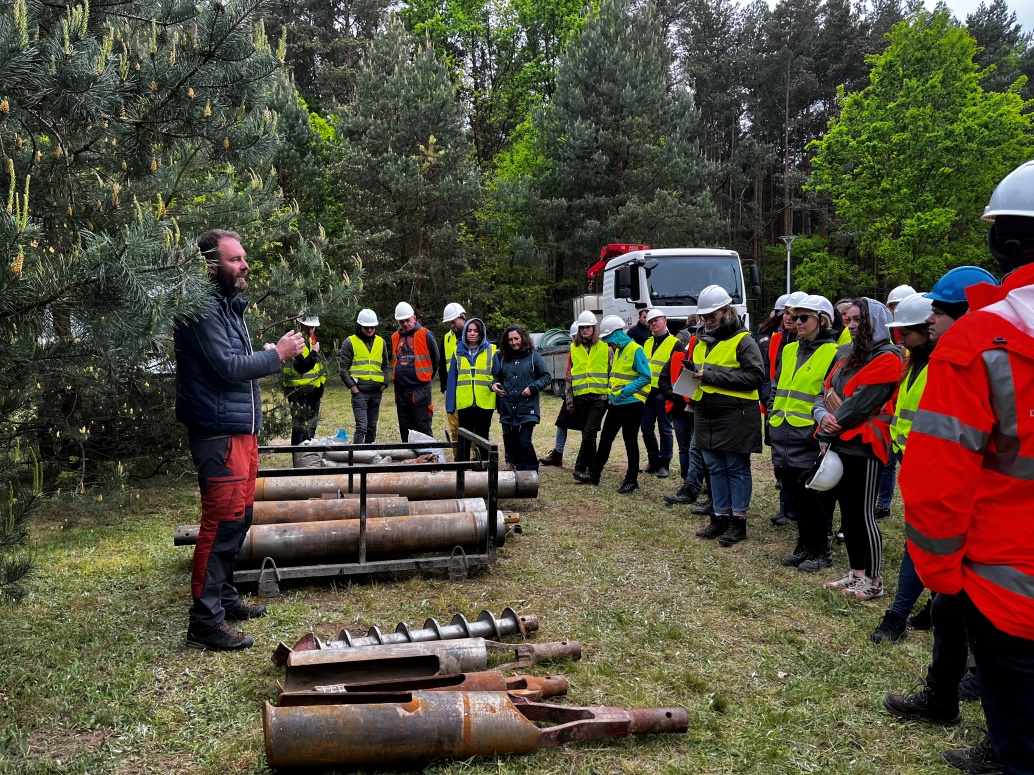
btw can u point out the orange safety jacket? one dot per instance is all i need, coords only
(876, 430)
(968, 478)
(676, 369)
(421, 355)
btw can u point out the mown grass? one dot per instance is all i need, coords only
(777, 674)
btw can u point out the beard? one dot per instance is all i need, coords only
(230, 283)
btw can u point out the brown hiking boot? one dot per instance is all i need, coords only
(554, 458)
(717, 527)
(736, 532)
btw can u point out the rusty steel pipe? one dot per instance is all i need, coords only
(418, 727)
(275, 512)
(415, 485)
(386, 537)
(488, 681)
(308, 669)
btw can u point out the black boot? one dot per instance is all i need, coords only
(705, 509)
(628, 486)
(717, 527)
(924, 705)
(682, 496)
(736, 532)
(799, 555)
(662, 469)
(652, 467)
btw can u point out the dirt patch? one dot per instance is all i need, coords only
(62, 744)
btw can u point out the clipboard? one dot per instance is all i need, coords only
(686, 385)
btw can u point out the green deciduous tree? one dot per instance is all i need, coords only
(912, 159)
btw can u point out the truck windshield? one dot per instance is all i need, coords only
(678, 280)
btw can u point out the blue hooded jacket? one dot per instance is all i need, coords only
(464, 350)
(642, 366)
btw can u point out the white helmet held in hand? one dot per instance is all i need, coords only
(610, 324)
(452, 311)
(816, 303)
(712, 298)
(404, 311)
(574, 329)
(586, 319)
(899, 294)
(828, 475)
(367, 318)
(912, 311)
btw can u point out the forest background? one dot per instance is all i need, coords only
(449, 150)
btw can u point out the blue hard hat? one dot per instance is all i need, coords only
(951, 288)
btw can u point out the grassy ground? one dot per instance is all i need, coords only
(777, 674)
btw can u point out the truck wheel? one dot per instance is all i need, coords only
(558, 388)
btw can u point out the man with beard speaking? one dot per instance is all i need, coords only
(217, 398)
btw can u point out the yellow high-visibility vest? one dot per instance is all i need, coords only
(474, 380)
(722, 354)
(845, 336)
(367, 364)
(450, 349)
(589, 369)
(905, 409)
(659, 358)
(797, 389)
(623, 372)
(312, 378)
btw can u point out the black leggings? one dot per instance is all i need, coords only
(476, 420)
(856, 493)
(626, 418)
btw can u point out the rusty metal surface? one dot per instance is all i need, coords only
(447, 505)
(415, 485)
(532, 687)
(386, 537)
(413, 728)
(527, 654)
(308, 669)
(273, 512)
(508, 623)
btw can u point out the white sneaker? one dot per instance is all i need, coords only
(870, 591)
(841, 583)
(856, 584)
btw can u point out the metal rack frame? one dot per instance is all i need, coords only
(268, 576)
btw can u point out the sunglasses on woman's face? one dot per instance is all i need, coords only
(801, 318)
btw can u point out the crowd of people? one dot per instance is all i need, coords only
(938, 383)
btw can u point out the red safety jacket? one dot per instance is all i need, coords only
(876, 430)
(968, 478)
(773, 353)
(676, 369)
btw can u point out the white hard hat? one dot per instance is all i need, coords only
(912, 311)
(574, 329)
(307, 319)
(452, 311)
(712, 298)
(585, 319)
(404, 311)
(899, 294)
(795, 298)
(367, 318)
(828, 474)
(610, 324)
(781, 302)
(654, 313)
(816, 303)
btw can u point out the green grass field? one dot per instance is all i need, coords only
(778, 675)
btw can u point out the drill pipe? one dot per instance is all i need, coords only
(415, 485)
(486, 624)
(308, 669)
(529, 686)
(386, 537)
(409, 728)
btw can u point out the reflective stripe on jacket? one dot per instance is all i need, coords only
(422, 364)
(367, 364)
(905, 409)
(798, 388)
(623, 372)
(314, 377)
(589, 369)
(474, 380)
(722, 356)
(660, 357)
